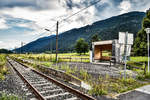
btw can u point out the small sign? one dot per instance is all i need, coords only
(122, 38)
(128, 58)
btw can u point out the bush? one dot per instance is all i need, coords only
(81, 46)
(100, 89)
(8, 97)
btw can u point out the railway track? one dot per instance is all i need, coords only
(44, 87)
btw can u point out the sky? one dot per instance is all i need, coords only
(26, 20)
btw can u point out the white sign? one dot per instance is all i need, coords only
(122, 38)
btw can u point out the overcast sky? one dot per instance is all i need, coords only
(24, 20)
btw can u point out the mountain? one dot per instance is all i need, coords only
(35, 46)
(107, 29)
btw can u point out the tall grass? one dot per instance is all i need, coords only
(51, 57)
(2, 59)
(3, 69)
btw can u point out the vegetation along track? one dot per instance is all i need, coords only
(45, 87)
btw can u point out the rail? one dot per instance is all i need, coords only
(70, 89)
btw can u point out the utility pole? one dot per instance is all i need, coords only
(57, 41)
(21, 47)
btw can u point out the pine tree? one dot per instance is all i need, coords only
(140, 43)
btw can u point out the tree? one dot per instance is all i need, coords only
(81, 46)
(140, 44)
(94, 38)
(5, 51)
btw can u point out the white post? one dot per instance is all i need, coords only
(148, 50)
(148, 32)
(91, 56)
(125, 54)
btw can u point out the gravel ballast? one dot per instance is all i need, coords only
(13, 85)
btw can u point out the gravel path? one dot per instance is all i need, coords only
(97, 70)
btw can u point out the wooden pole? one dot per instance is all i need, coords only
(57, 42)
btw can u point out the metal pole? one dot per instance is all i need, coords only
(125, 54)
(148, 49)
(57, 41)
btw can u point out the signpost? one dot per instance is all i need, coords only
(126, 39)
(148, 32)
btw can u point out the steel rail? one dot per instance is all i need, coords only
(62, 85)
(39, 96)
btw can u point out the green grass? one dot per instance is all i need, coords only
(48, 64)
(9, 97)
(109, 86)
(102, 85)
(51, 57)
(3, 69)
(139, 59)
(138, 62)
(2, 59)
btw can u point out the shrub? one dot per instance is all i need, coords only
(8, 97)
(100, 89)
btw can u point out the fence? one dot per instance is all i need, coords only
(131, 66)
(73, 59)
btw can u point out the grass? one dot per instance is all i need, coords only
(139, 59)
(51, 57)
(142, 76)
(107, 85)
(102, 85)
(2, 59)
(3, 69)
(9, 97)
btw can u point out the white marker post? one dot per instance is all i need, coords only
(125, 54)
(148, 32)
(126, 39)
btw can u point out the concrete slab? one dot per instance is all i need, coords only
(142, 93)
(144, 89)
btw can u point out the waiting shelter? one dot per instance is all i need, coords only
(115, 48)
(101, 46)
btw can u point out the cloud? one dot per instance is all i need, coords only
(1, 42)
(10, 44)
(125, 7)
(29, 18)
(32, 4)
(3, 24)
(140, 5)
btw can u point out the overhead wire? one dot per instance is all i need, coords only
(94, 3)
(79, 11)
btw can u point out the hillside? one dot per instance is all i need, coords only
(107, 29)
